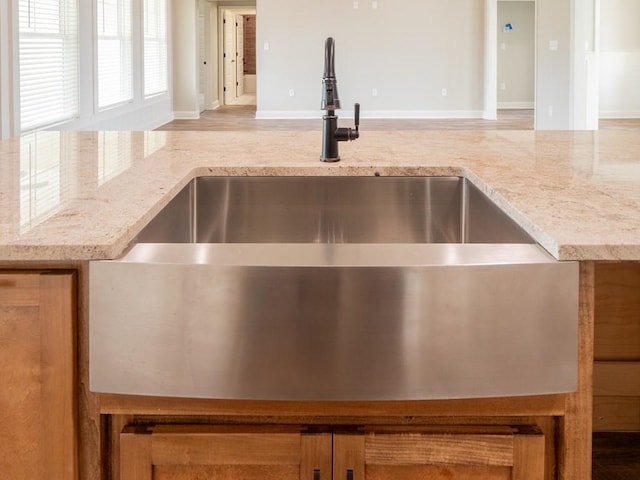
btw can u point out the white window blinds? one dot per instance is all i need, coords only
(155, 47)
(48, 55)
(114, 52)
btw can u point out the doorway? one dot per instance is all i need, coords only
(237, 56)
(516, 55)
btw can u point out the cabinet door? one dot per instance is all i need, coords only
(224, 453)
(500, 453)
(37, 413)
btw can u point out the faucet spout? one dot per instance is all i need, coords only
(331, 134)
(329, 58)
(330, 99)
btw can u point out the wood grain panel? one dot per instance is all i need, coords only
(227, 472)
(437, 472)
(222, 452)
(19, 290)
(548, 427)
(445, 449)
(616, 414)
(529, 456)
(617, 347)
(574, 446)
(58, 378)
(617, 312)
(349, 455)
(616, 379)
(20, 396)
(37, 398)
(135, 456)
(226, 449)
(494, 452)
(317, 454)
(542, 405)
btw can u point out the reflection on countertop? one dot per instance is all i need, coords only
(85, 195)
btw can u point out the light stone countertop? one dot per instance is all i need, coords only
(67, 196)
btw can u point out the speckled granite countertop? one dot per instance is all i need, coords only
(68, 196)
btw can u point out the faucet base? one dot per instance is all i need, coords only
(329, 140)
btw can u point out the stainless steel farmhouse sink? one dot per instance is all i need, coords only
(333, 288)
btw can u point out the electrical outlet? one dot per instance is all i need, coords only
(503, 46)
(553, 45)
(550, 111)
(292, 92)
(374, 92)
(355, 5)
(266, 46)
(444, 92)
(503, 86)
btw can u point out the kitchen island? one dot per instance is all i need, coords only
(67, 198)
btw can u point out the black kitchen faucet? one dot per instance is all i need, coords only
(331, 134)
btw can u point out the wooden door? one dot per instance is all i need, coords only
(223, 452)
(37, 406)
(229, 56)
(459, 453)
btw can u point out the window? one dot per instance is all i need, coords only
(48, 55)
(114, 52)
(155, 47)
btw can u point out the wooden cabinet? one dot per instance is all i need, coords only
(380, 453)
(616, 372)
(37, 404)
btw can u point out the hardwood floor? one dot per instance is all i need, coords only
(616, 456)
(242, 117)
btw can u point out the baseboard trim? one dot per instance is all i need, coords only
(373, 114)
(157, 123)
(615, 114)
(186, 115)
(289, 115)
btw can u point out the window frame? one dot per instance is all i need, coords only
(160, 38)
(68, 71)
(126, 40)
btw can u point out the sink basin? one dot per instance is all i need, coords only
(332, 210)
(333, 288)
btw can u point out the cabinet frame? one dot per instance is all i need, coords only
(326, 455)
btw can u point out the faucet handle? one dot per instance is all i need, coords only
(348, 134)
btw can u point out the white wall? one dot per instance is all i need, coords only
(584, 76)
(185, 56)
(516, 54)
(212, 99)
(408, 54)
(553, 75)
(6, 72)
(620, 59)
